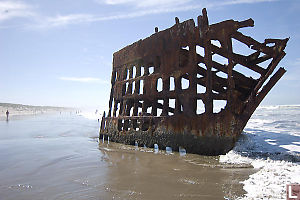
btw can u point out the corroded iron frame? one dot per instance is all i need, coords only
(150, 104)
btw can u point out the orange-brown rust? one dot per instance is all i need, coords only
(165, 88)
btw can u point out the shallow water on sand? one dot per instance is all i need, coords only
(60, 157)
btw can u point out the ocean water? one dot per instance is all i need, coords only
(271, 144)
(274, 130)
(60, 157)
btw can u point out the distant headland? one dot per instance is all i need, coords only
(22, 110)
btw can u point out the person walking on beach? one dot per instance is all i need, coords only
(7, 113)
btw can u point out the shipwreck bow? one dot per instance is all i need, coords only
(165, 89)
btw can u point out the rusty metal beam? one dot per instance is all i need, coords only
(154, 95)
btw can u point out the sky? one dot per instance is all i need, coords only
(59, 52)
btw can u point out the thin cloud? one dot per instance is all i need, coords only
(296, 62)
(175, 3)
(293, 72)
(115, 2)
(146, 3)
(10, 9)
(143, 8)
(62, 20)
(13, 9)
(65, 20)
(232, 2)
(83, 79)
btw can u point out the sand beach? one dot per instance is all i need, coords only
(58, 156)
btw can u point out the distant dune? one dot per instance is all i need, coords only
(20, 109)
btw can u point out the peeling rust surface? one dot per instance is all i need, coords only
(166, 89)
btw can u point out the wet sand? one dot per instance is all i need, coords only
(60, 157)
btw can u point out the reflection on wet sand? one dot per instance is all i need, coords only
(141, 174)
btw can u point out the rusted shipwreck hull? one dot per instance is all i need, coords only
(160, 84)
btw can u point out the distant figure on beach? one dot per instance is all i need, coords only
(7, 114)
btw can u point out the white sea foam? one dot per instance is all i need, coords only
(90, 115)
(270, 181)
(271, 149)
(275, 171)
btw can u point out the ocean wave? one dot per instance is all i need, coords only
(271, 145)
(273, 107)
(276, 166)
(90, 115)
